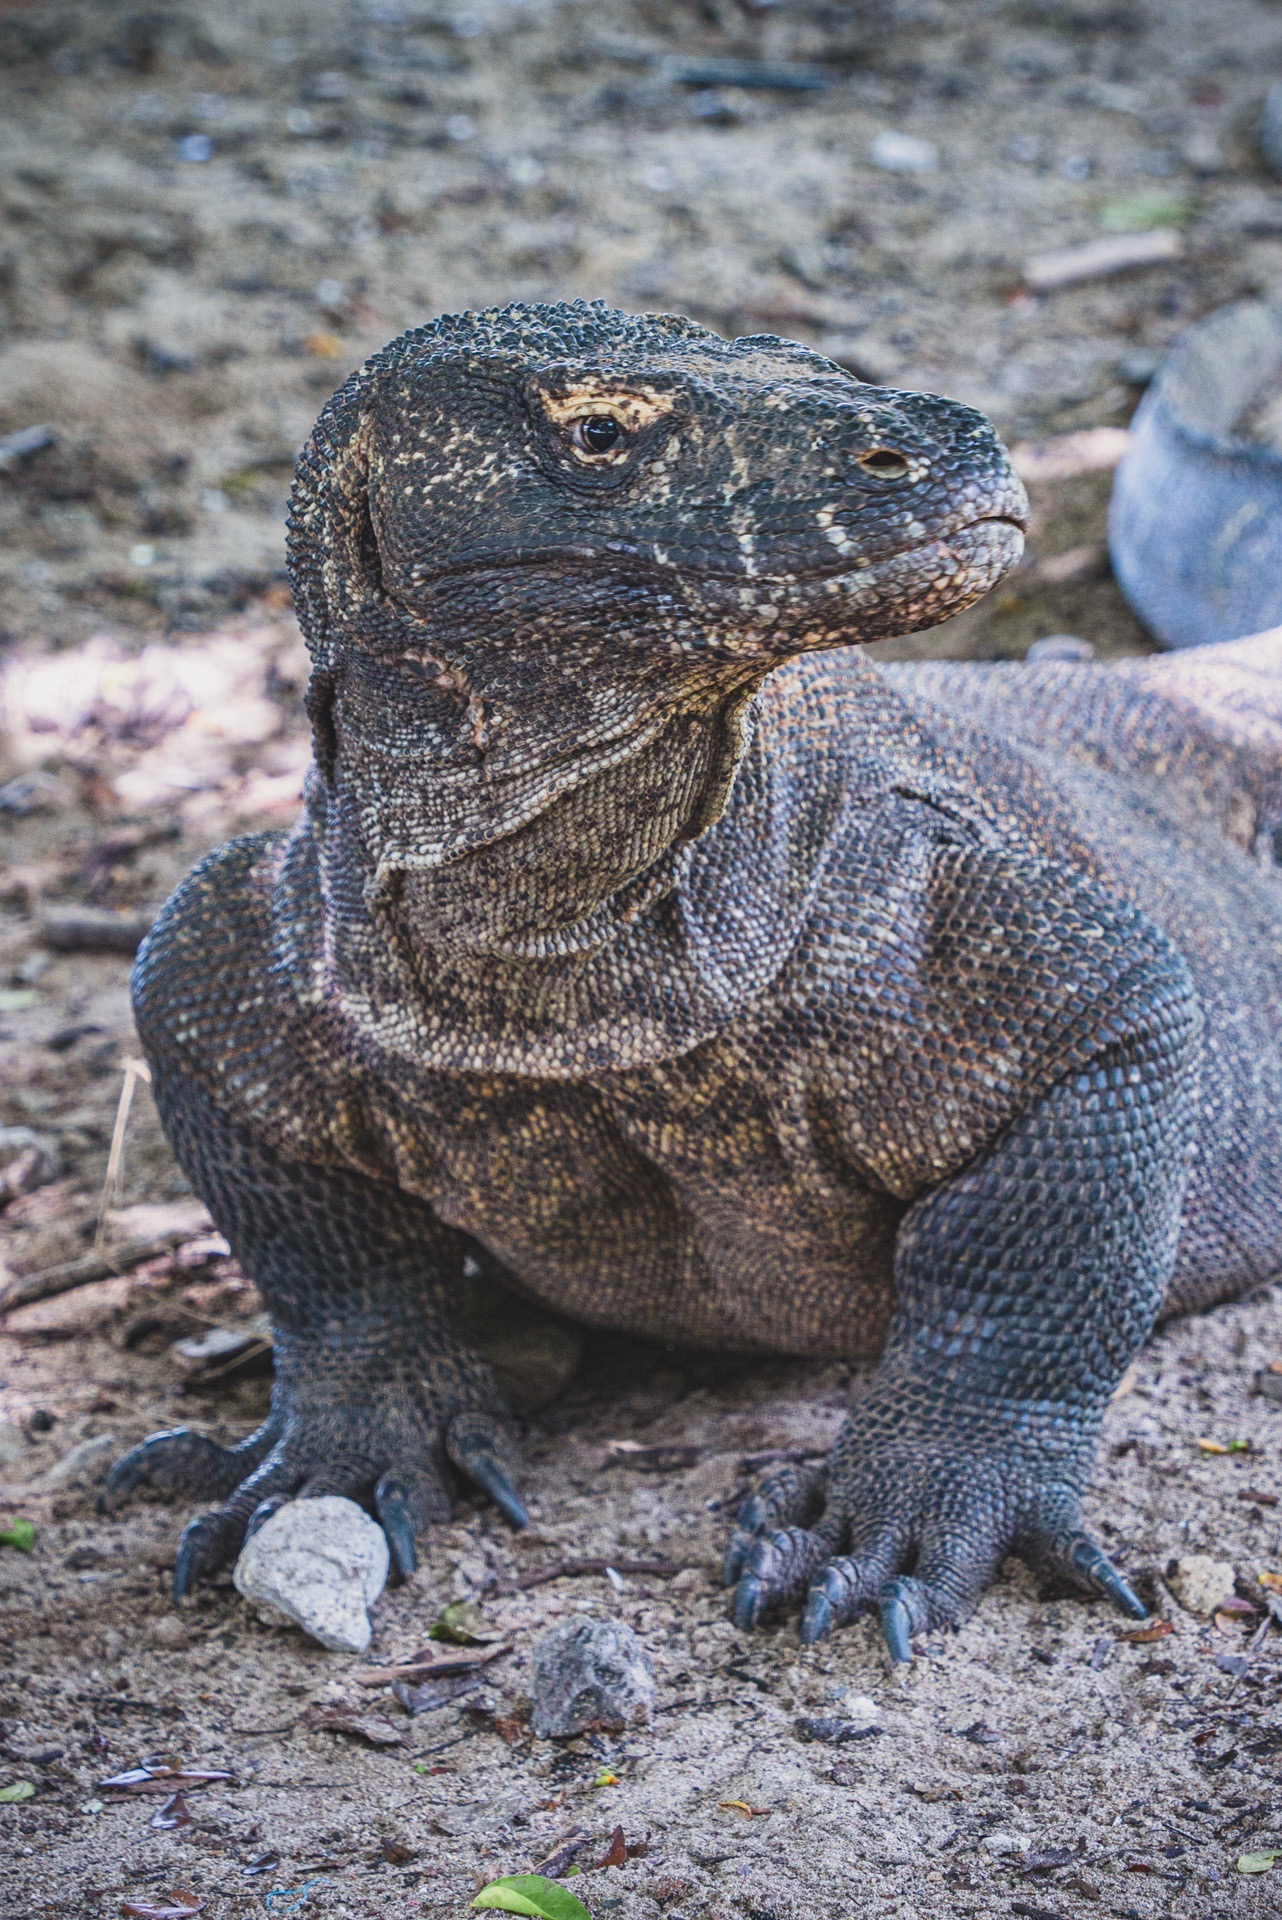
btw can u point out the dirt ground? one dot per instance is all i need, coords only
(212, 214)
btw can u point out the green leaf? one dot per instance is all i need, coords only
(531, 1893)
(1141, 212)
(1258, 1862)
(20, 1534)
(20, 1790)
(464, 1624)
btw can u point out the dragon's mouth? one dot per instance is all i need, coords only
(656, 561)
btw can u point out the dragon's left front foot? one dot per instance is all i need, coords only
(918, 1504)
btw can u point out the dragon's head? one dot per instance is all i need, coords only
(522, 540)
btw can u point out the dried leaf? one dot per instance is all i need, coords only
(162, 1780)
(659, 1458)
(556, 1862)
(743, 1806)
(20, 1534)
(396, 1853)
(1261, 1498)
(1258, 1862)
(1271, 1580)
(616, 1854)
(372, 1727)
(177, 1906)
(1217, 1447)
(434, 1693)
(530, 1893)
(173, 1812)
(20, 1790)
(1047, 1860)
(1145, 1636)
(465, 1624)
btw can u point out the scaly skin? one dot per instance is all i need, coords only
(712, 982)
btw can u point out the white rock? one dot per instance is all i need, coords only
(1007, 1842)
(860, 1708)
(319, 1565)
(1202, 1583)
(903, 152)
(13, 1443)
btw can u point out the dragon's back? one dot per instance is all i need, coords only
(1200, 731)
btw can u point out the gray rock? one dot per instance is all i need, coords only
(1195, 523)
(27, 1160)
(85, 1465)
(590, 1673)
(319, 1565)
(897, 152)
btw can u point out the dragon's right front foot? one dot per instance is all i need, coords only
(387, 1443)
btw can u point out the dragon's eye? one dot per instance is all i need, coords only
(597, 433)
(883, 463)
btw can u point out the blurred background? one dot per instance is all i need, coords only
(213, 213)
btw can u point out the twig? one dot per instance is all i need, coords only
(577, 1569)
(135, 1070)
(92, 930)
(103, 1264)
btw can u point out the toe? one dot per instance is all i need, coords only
(407, 1502)
(792, 1497)
(777, 1569)
(182, 1462)
(846, 1587)
(209, 1544)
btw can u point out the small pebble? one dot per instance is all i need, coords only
(1202, 1583)
(903, 152)
(319, 1565)
(590, 1673)
(1061, 646)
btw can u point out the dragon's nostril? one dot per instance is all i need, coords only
(884, 463)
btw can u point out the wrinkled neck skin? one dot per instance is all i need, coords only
(525, 814)
(591, 861)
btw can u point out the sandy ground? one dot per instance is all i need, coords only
(211, 215)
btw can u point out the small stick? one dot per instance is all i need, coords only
(135, 1070)
(576, 1569)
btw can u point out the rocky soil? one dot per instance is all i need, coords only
(212, 214)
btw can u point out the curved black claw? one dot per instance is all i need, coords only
(263, 1512)
(392, 1502)
(209, 1542)
(896, 1624)
(749, 1602)
(778, 1569)
(818, 1617)
(488, 1474)
(1094, 1567)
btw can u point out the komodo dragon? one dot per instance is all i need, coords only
(721, 987)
